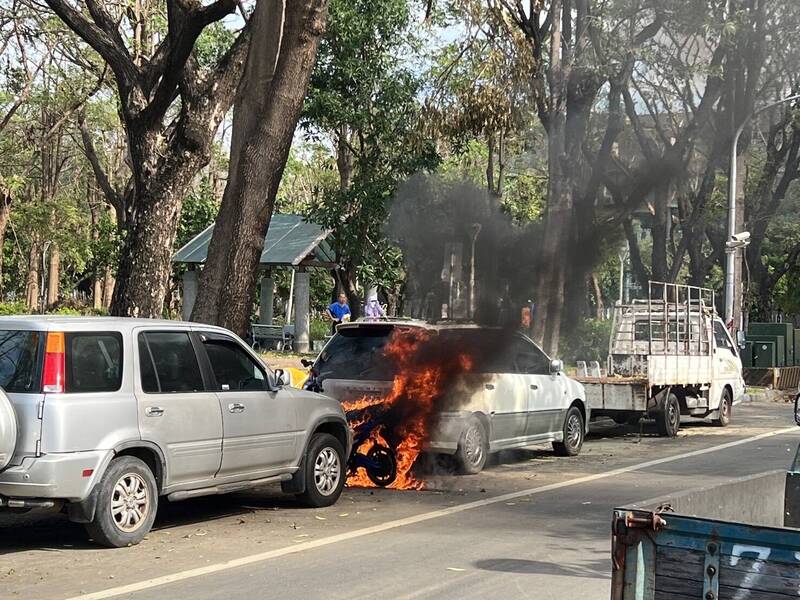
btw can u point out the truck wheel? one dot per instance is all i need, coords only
(668, 419)
(473, 449)
(574, 430)
(725, 410)
(325, 474)
(127, 500)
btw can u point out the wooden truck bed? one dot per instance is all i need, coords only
(616, 393)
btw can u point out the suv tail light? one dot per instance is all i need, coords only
(53, 376)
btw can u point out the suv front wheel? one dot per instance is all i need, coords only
(325, 471)
(127, 500)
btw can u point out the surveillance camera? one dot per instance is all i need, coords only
(741, 237)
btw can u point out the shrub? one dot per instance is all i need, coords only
(13, 308)
(319, 329)
(587, 341)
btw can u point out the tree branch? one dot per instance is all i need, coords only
(112, 196)
(105, 45)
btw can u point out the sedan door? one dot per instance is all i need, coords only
(547, 390)
(259, 421)
(175, 410)
(505, 395)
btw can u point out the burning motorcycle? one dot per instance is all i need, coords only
(370, 451)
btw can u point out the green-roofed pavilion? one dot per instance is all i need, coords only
(290, 242)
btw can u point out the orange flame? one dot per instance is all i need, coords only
(421, 381)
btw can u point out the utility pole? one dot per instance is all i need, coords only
(737, 241)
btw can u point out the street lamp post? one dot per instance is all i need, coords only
(733, 245)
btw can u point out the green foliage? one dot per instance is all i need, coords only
(67, 311)
(213, 42)
(320, 329)
(364, 96)
(587, 341)
(198, 212)
(13, 308)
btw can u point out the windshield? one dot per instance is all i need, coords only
(359, 353)
(20, 353)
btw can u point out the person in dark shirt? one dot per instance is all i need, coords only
(338, 312)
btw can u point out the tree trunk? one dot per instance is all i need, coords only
(97, 282)
(109, 282)
(599, 306)
(550, 294)
(344, 159)
(346, 282)
(661, 226)
(53, 276)
(490, 163)
(267, 107)
(32, 279)
(5, 217)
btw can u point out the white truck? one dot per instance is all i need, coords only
(669, 355)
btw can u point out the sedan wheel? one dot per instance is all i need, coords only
(574, 430)
(473, 449)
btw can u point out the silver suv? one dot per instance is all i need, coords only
(102, 416)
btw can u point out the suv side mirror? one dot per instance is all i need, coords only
(282, 378)
(556, 366)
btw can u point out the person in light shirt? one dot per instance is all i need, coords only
(373, 308)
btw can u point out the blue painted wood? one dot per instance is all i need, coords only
(724, 545)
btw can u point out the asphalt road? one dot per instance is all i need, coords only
(531, 526)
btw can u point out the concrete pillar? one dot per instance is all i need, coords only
(189, 293)
(302, 322)
(265, 304)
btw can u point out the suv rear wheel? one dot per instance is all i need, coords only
(325, 471)
(127, 500)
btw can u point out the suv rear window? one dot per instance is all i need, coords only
(357, 353)
(20, 360)
(94, 362)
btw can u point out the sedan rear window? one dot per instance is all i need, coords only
(20, 360)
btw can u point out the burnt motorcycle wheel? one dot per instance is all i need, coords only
(383, 468)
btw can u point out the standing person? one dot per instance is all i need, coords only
(339, 312)
(373, 309)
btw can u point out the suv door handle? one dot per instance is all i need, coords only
(154, 411)
(235, 407)
(488, 386)
(534, 386)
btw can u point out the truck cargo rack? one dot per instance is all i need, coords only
(671, 321)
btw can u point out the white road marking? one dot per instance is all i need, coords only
(436, 514)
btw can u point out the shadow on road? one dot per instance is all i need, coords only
(55, 533)
(593, 570)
